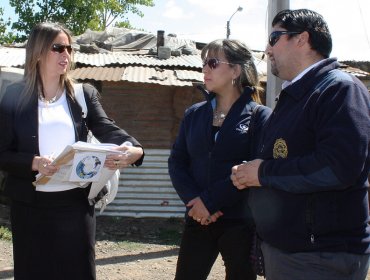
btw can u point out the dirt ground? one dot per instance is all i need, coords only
(117, 261)
(120, 262)
(126, 249)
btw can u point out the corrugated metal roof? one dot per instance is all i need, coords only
(12, 57)
(186, 75)
(15, 57)
(355, 71)
(103, 59)
(113, 74)
(139, 74)
(191, 61)
(165, 77)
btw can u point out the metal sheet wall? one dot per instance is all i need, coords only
(147, 191)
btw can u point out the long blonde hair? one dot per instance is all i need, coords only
(38, 45)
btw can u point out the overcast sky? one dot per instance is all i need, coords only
(205, 20)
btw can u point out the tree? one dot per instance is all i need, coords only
(74, 14)
(80, 15)
(3, 24)
(77, 15)
(123, 24)
(111, 10)
(5, 37)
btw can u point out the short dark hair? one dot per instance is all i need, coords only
(306, 20)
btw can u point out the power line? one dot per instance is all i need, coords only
(363, 23)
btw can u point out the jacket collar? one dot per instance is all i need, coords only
(210, 96)
(303, 86)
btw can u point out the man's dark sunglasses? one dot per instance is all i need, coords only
(214, 62)
(59, 48)
(275, 36)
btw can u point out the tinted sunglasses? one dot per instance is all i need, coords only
(59, 48)
(275, 36)
(214, 62)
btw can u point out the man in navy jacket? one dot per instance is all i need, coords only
(308, 187)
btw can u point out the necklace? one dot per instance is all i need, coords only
(218, 117)
(50, 101)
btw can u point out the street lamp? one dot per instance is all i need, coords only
(239, 9)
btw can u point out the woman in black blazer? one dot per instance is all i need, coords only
(53, 225)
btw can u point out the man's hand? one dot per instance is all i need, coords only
(246, 175)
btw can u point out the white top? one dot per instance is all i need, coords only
(56, 131)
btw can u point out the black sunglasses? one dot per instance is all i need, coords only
(275, 36)
(59, 48)
(214, 62)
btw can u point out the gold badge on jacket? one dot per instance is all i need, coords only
(280, 149)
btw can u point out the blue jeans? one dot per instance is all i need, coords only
(200, 246)
(282, 265)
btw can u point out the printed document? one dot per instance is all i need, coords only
(81, 163)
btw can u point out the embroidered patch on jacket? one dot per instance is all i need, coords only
(242, 128)
(280, 149)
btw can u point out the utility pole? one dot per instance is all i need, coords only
(274, 83)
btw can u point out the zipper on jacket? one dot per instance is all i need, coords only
(209, 168)
(310, 218)
(312, 238)
(262, 148)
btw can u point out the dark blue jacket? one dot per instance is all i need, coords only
(200, 167)
(315, 148)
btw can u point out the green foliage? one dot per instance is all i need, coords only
(5, 37)
(76, 15)
(123, 24)
(2, 23)
(5, 233)
(130, 245)
(111, 10)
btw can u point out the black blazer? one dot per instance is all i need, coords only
(19, 141)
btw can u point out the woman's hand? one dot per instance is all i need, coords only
(200, 213)
(44, 165)
(127, 156)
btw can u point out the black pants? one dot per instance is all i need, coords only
(200, 246)
(54, 238)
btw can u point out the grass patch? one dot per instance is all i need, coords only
(130, 245)
(5, 233)
(169, 236)
(141, 230)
